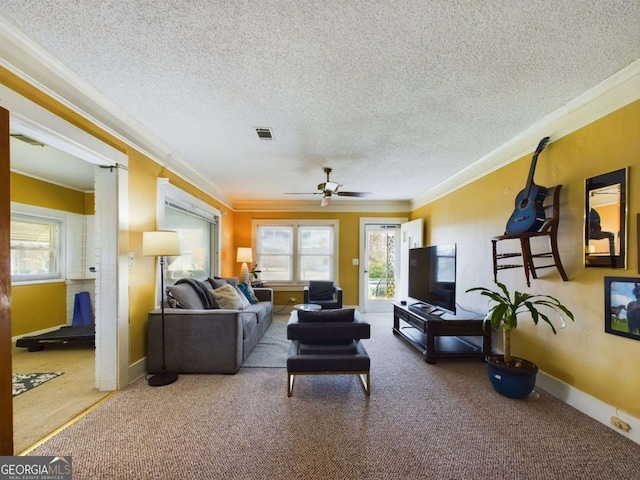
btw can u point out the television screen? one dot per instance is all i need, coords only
(432, 276)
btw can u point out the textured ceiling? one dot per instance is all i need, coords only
(396, 97)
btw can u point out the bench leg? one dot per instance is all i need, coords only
(365, 378)
(290, 379)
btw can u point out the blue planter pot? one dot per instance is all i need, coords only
(511, 381)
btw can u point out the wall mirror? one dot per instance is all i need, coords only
(605, 226)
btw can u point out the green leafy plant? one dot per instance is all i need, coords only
(254, 271)
(507, 307)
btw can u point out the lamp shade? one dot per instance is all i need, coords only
(161, 243)
(244, 255)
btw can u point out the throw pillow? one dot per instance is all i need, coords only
(248, 292)
(228, 298)
(339, 315)
(245, 301)
(230, 280)
(217, 282)
(183, 295)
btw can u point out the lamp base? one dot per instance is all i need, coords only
(162, 379)
(245, 276)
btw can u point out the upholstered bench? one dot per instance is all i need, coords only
(328, 342)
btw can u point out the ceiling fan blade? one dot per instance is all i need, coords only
(328, 188)
(353, 194)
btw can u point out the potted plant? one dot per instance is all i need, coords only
(513, 376)
(254, 271)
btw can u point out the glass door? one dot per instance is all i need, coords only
(381, 261)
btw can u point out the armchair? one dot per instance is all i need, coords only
(328, 342)
(323, 293)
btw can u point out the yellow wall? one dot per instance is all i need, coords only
(30, 191)
(348, 246)
(44, 305)
(143, 177)
(38, 306)
(143, 173)
(583, 355)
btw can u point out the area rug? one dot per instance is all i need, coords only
(23, 382)
(271, 350)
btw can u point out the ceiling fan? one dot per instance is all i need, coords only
(329, 188)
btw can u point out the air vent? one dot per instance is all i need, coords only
(264, 133)
(29, 140)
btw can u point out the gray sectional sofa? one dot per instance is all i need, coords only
(201, 339)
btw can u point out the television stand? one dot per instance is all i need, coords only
(423, 308)
(439, 336)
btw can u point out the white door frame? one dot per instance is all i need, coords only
(411, 234)
(112, 335)
(364, 221)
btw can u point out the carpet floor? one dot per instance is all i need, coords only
(441, 421)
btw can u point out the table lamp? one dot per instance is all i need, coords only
(244, 256)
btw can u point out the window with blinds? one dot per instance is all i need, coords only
(35, 248)
(296, 251)
(195, 233)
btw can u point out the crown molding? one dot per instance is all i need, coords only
(314, 206)
(615, 92)
(31, 63)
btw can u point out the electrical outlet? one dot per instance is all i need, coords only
(621, 424)
(292, 299)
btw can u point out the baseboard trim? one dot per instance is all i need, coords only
(591, 406)
(137, 369)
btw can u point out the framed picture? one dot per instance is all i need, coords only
(622, 306)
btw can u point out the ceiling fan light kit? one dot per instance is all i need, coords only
(328, 188)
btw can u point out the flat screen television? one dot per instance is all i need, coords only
(432, 278)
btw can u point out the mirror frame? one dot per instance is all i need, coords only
(594, 183)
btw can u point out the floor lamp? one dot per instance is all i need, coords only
(162, 243)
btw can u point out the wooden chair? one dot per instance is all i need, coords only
(551, 205)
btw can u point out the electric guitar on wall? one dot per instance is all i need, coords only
(528, 215)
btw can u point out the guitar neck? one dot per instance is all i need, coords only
(532, 171)
(534, 160)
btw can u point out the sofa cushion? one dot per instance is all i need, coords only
(261, 310)
(248, 292)
(340, 315)
(183, 295)
(320, 290)
(228, 298)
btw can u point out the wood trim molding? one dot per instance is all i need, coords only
(6, 396)
(619, 90)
